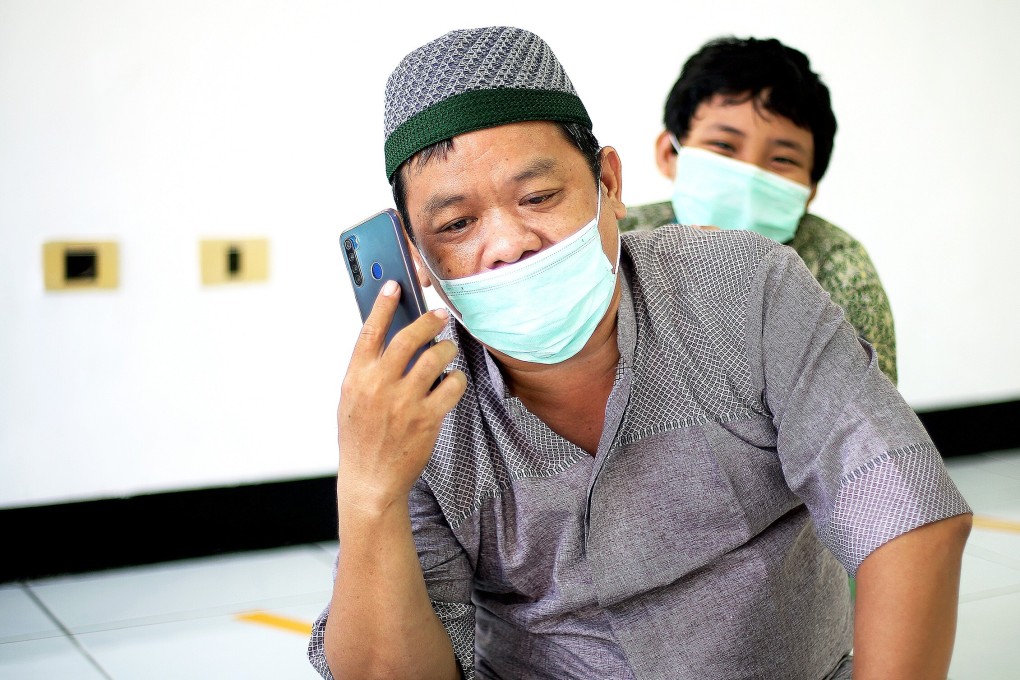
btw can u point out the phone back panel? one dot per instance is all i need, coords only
(375, 251)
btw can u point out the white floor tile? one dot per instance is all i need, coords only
(988, 491)
(330, 547)
(982, 577)
(986, 639)
(1007, 462)
(214, 647)
(21, 618)
(996, 546)
(187, 589)
(44, 659)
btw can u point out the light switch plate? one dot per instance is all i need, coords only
(234, 260)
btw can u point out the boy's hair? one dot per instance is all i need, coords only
(778, 76)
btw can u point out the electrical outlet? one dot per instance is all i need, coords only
(80, 265)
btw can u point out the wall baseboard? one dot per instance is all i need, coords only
(69, 538)
(73, 538)
(974, 429)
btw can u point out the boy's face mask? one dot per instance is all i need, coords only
(544, 308)
(713, 190)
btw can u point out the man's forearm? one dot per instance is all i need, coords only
(381, 623)
(907, 595)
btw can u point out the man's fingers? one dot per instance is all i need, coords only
(408, 341)
(373, 332)
(449, 391)
(431, 364)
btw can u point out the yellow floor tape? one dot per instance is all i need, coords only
(996, 524)
(274, 621)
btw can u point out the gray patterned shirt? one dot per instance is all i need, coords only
(836, 259)
(753, 454)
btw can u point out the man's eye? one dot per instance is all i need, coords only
(537, 200)
(782, 160)
(458, 225)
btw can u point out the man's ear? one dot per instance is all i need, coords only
(612, 180)
(665, 155)
(424, 280)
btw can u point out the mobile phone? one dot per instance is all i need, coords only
(375, 251)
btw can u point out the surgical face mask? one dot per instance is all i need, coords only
(544, 308)
(713, 190)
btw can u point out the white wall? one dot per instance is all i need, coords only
(156, 123)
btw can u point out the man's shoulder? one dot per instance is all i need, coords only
(648, 216)
(710, 261)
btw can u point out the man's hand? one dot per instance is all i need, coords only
(381, 623)
(388, 422)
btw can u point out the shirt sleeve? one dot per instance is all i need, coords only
(849, 445)
(850, 277)
(316, 643)
(447, 577)
(448, 574)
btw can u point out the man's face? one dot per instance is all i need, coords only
(741, 128)
(503, 194)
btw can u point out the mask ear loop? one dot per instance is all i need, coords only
(619, 249)
(619, 238)
(675, 142)
(619, 241)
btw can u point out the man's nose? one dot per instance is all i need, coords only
(508, 240)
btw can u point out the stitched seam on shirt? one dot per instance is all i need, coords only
(883, 458)
(497, 490)
(682, 423)
(852, 548)
(532, 473)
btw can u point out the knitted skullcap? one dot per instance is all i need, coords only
(472, 79)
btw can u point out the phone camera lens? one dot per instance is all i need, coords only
(358, 279)
(349, 245)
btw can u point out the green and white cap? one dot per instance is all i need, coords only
(473, 79)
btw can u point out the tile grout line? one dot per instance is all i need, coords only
(992, 556)
(60, 624)
(989, 594)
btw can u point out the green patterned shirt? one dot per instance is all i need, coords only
(839, 263)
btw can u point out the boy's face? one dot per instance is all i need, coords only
(741, 128)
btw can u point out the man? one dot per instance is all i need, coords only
(650, 457)
(749, 132)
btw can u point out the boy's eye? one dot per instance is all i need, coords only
(722, 146)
